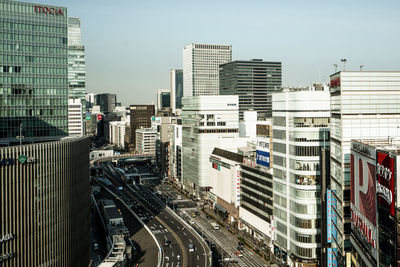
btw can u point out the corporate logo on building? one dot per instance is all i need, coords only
(363, 199)
(48, 10)
(262, 158)
(22, 159)
(385, 181)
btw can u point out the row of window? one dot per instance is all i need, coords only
(38, 27)
(33, 38)
(33, 80)
(41, 48)
(62, 59)
(10, 91)
(217, 130)
(33, 112)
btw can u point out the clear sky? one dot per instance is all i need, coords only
(131, 45)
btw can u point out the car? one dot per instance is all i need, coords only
(239, 254)
(96, 246)
(167, 242)
(191, 222)
(179, 197)
(208, 216)
(191, 247)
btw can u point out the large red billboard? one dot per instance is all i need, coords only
(385, 180)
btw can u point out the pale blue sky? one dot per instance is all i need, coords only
(132, 45)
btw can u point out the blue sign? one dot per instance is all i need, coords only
(262, 158)
(329, 216)
(332, 259)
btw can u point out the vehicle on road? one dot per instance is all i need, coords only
(191, 222)
(96, 246)
(179, 197)
(191, 247)
(167, 242)
(239, 254)
(215, 226)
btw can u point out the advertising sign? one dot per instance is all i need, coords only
(332, 259)
(88, 116)
(99, 117)
(385, 181)
(262, 158)
(329, 215)
(363, 196)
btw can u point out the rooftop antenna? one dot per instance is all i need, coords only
(361, 66)
(344, 63)
(335, 65)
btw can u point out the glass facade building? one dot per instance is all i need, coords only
(176, 89)
(254, 81)
(76, 62)
(33, 72)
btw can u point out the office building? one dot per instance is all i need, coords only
(33, 72)
(90, 100)
(207, 122)
(45, 216)
(201, 68)
(107, 102)
(254, 81)
(117, 132)
(374, 205)
(176, 155)
(140, 118)
(163, 99)
(364, 105)
(146, 141)
(176, 89)
(300, 131)
(76, 62)
(75, 124)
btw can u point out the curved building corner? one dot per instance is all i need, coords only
(44, 211)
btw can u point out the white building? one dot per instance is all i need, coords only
(300, 129)
(364, 105)
(75, 123)
(117, 132)
(207, 122)
(146, 141)
(201, 68)
(175, 158)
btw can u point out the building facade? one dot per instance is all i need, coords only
(207, 122)
(300, 129)
(254, 81)
(33, 72)
(45, 204)
(364, 105)
(107, 102)
(163, 99)
(146, 141)
(201, 68)
(117, 133)
(75, 123)
(176, 89)
(76, 63)
(140, 118)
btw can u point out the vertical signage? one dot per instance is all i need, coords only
(99, 117)
(385, 181)
(329, 216)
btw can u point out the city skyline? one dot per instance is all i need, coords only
(131, 47)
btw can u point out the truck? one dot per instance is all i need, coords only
(215, 226)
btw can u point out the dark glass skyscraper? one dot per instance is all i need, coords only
(33, 72)
(176, 89)
(253, 81)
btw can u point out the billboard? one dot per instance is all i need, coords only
(329, 216)
(363, 195)
(99, 117)
(385, 181)
(88, 116)
(332, 258)
(262, 158)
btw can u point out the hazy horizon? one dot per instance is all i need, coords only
(132, 45)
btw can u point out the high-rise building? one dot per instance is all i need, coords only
(163, 99)
(33, 72)
(201, 68)
(76, 62)
(45, 201)
(176, 89)
(75, 124)
(140, 118)
(107, 102)
(254, 81)
(364, 105)
(90, 99)
(117, 133)
(207, 122)
(300, 131)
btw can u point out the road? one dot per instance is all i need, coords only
(163, 222)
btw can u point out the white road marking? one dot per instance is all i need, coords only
(190, 240)
(197, 257)
(184, 233)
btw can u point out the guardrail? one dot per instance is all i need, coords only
(116, 254)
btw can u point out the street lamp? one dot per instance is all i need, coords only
(344, 63)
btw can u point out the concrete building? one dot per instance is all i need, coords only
(176, 155)
(90, 99)
(254, 81)
(300, 130)
(207, 122)
(75, 122)
(140, 118)
(34, 100)
(76, 63)
(146, 141)
(201, 68)
(364, 105)
(166, 130)
(163, 99)
(117, 133)
(176, 89)
(45, 202)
